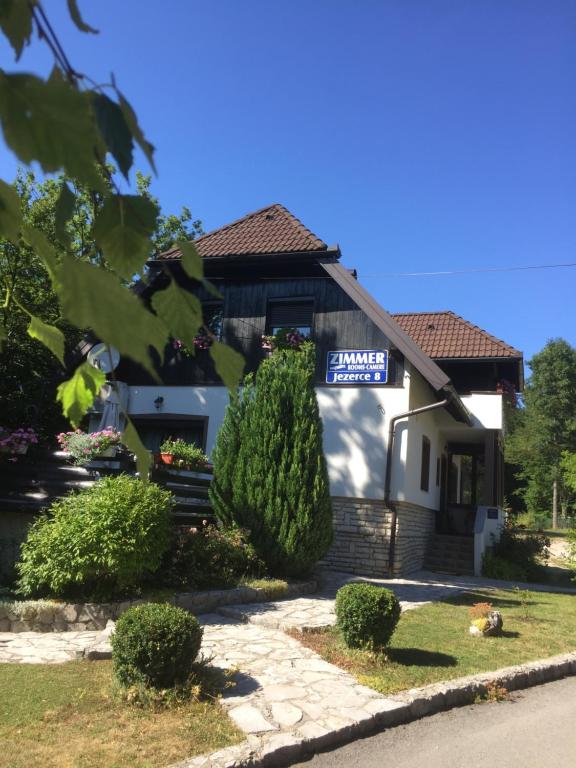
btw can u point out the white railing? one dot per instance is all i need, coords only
(488, 527)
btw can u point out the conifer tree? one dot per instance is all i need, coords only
(270, 474)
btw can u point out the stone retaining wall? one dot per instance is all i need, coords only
(53, 616)
(362, 537)
(414, 529)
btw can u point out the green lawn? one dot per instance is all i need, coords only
(63, 715)
(432, 643)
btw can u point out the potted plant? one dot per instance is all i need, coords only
(84, 447)
(17, 441)
(183, 455)
(484, 621)
(284, 338)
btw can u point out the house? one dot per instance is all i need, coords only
(412, 404)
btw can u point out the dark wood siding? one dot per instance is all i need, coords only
(337, 324)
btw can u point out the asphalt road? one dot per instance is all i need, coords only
(536, 728)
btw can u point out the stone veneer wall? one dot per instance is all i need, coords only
(415, 527)
(53, 616)
(362, 537)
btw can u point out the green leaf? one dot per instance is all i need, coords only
(78, 393)
(115, 132)
(16, 23)
(51, 337)
(77, 19)
(42, 248)
(52, 122)
(91, 297)
(136, 131)
(229, 364)
(191, 259)
(122, 230)
(10, 213)
(211, 288)
(63, 212)
(131, 440)
(181, 311)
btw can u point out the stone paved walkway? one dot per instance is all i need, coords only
(39, 648)
(313, 611)
(284, 694)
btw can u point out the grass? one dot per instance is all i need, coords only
(432, 643)
(274, 589)
(65, 715)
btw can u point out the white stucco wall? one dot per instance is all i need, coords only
(406, 473)
(356, 422)
(187, 401)
(486, 409)
(355, 427)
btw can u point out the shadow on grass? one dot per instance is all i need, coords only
(469, 598)
(416, 657)
(508, 633)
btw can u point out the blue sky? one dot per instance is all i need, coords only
(419, 135)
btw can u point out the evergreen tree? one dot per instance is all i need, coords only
(225, 453)
(270, 474)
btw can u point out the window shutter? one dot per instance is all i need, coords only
(288, 314)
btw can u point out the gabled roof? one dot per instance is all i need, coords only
(445, 335)
(432, 373)
(270, 230)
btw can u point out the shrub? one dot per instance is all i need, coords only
(97, 543)
(515, 557)
(155, 645)
(209, 557)
(366, 615)
(270, 474)
(494, 567)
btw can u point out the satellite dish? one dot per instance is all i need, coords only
(104, 357)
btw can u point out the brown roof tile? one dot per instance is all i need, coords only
(270, 230)
(444, 335)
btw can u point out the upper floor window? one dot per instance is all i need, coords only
(290, 313)
(212, 312)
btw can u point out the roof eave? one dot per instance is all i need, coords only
(433, 374)
(331, 254)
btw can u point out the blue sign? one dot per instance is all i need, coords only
(357, 366)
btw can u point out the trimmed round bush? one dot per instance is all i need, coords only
(155, 645)
(97, 543)
(366, 615)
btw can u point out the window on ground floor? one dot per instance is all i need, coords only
(425, 465)
(154, 431)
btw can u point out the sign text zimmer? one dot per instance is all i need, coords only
(357, 366)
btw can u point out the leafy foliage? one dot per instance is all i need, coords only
(72, 127)
(209, 558)
(155, 644)
(546, 427)
(516, 557)
(190, 455)
(97, 543)
(78, 393)
(366, 615)
(269, 469)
